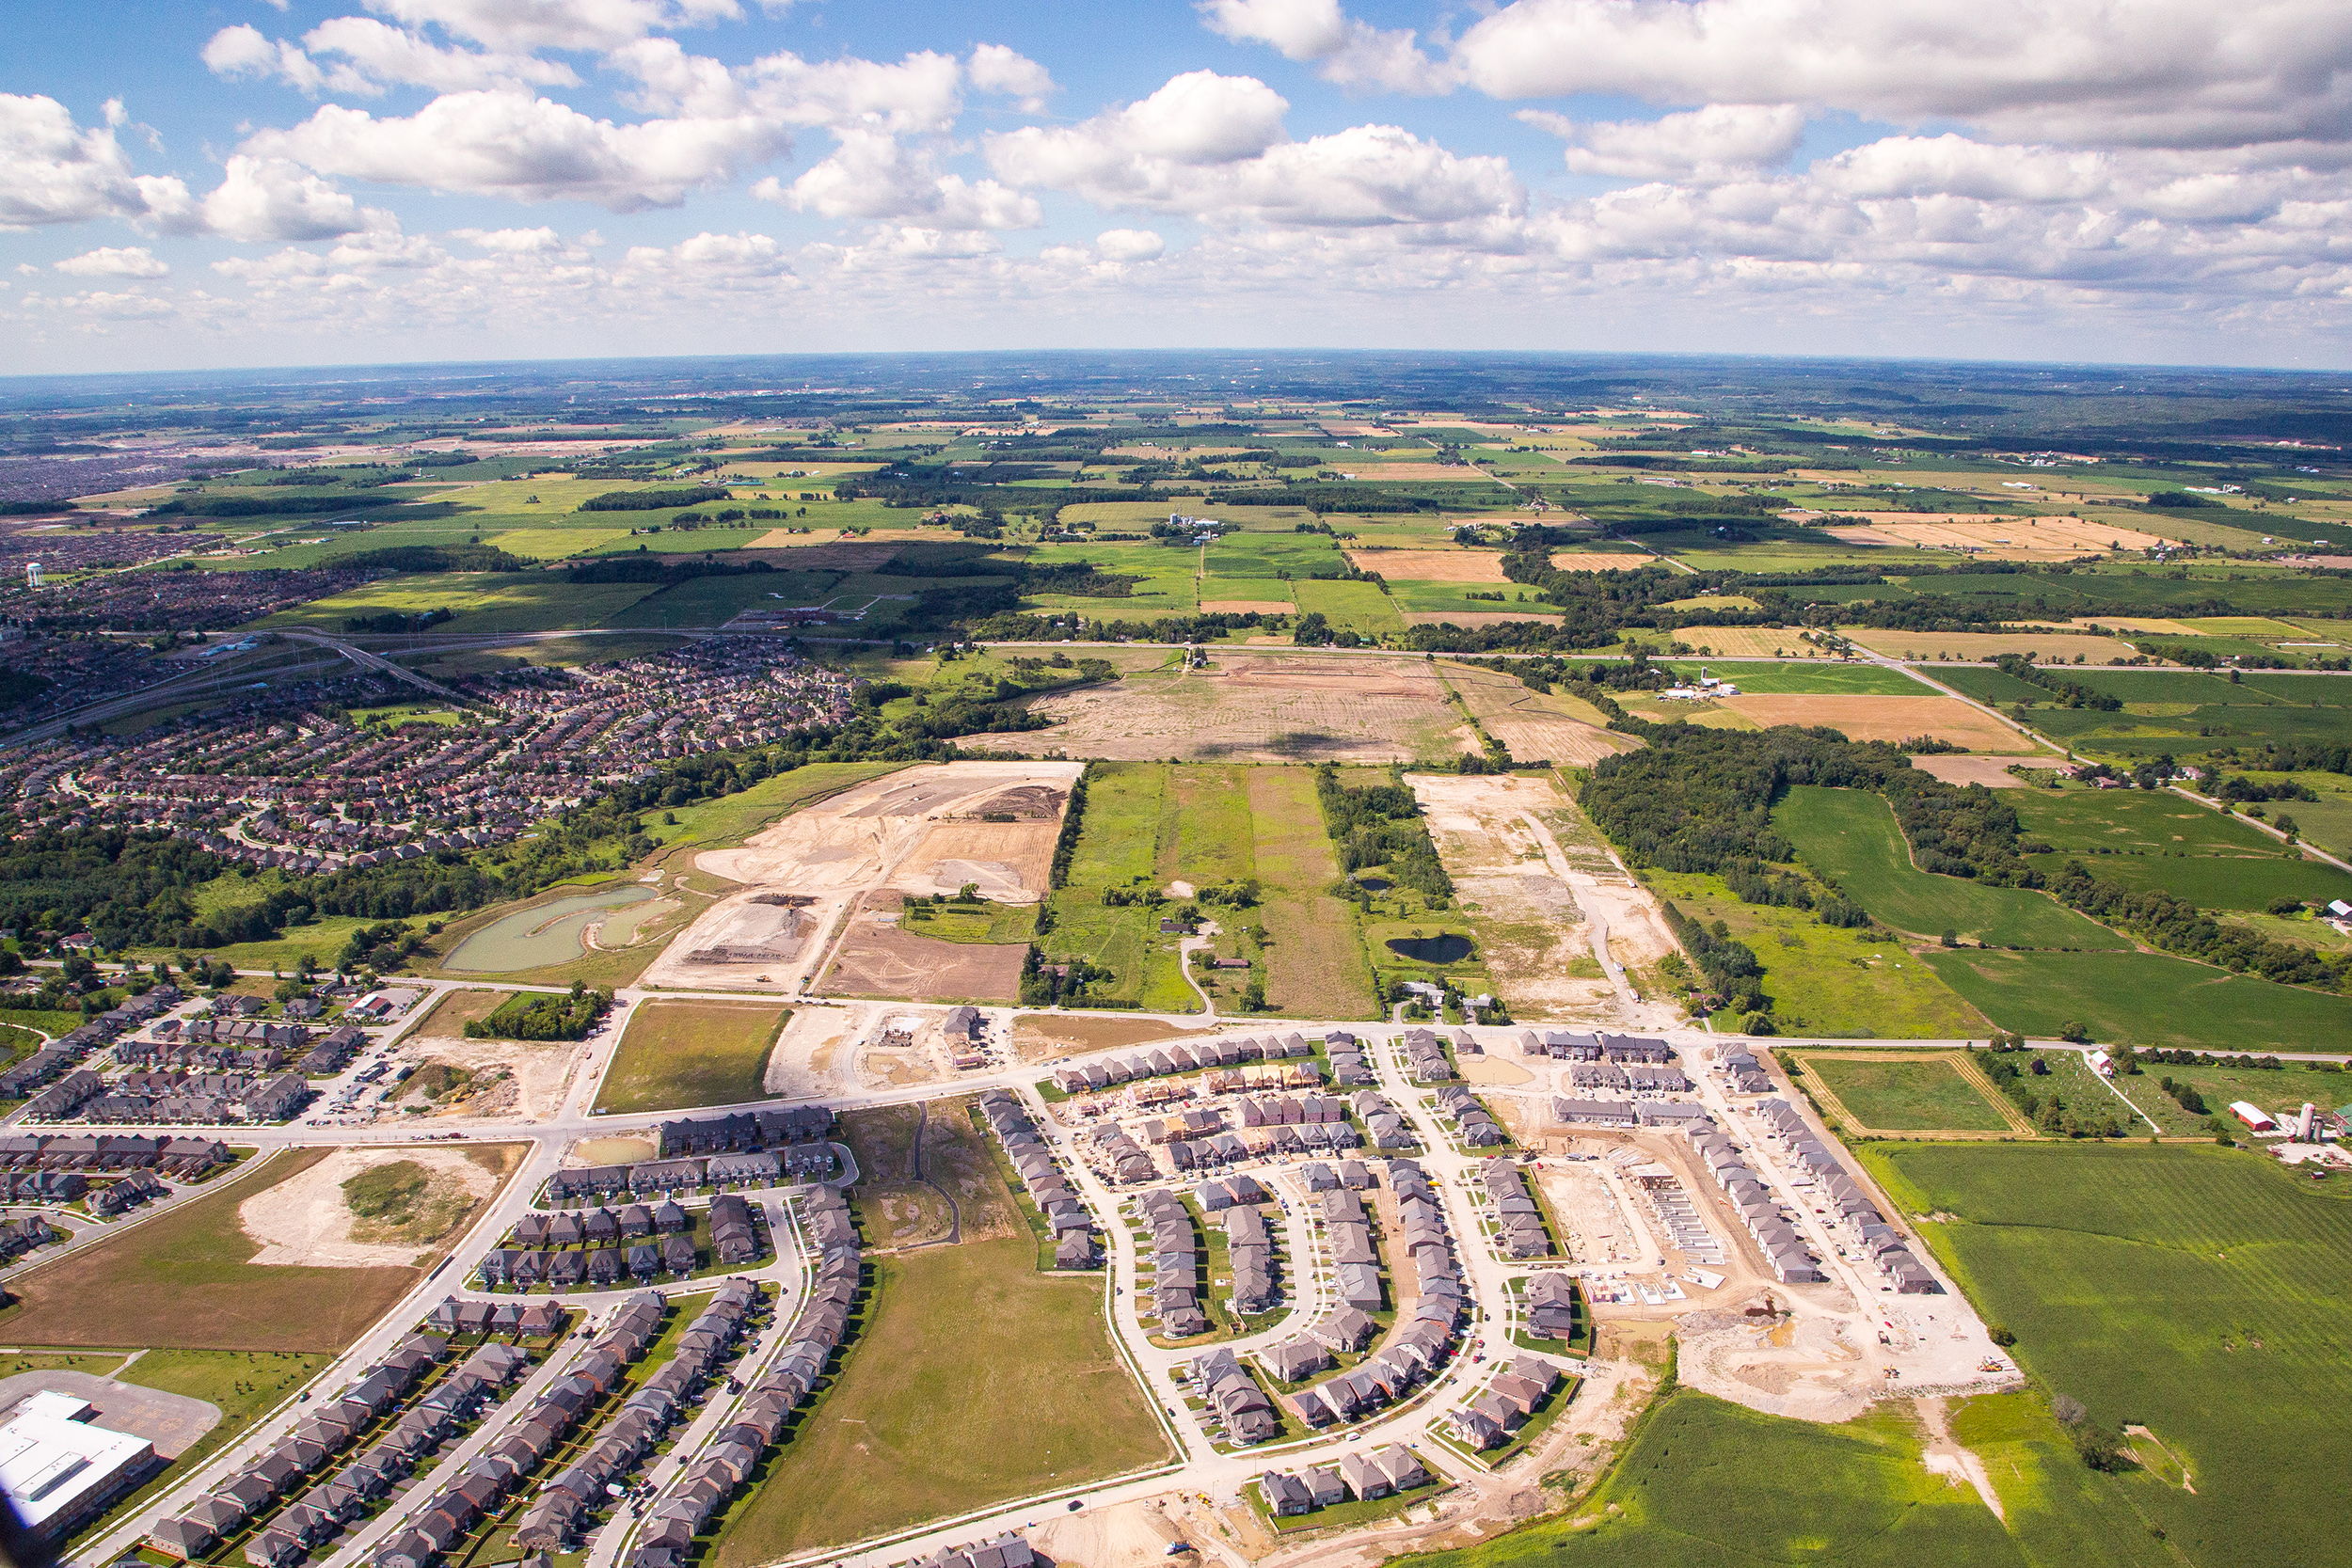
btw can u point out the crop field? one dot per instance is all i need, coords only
(1825, 981)
(2046, 647)
(2102, 822)
(1850, 837)
(2194, 1291)
(2145, 998)
(1945, 719)
(1358, 606)
(1747, 642)
(679, 1055)
(1992, 686)
(1455, 565)
(1533, 726)
(1254, 707)
(1913, 1092)
(1999, 538)
(2218, 881)
(1601, 561)
(183, 1281)
(1825, 679)
(1025, 1395)
(1704, 1483)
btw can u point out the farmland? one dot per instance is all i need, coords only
(1825, 981)
(1700, 1486)
(2144, 999)
(1850, 837)
(1907, 1093)
(2281, 1091)
(2190, 1289)
(679, 1055)
(2162, 841)
(1150, 828)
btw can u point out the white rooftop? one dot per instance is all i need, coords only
(51, 1465)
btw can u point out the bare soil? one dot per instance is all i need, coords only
(304, 1221)
(1046, 1036)
(876, 959)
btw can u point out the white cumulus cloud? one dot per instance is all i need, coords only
(506, 142)
(994, 67)
(1719, 142)
(871, 175)
(114, 262)
(1344, 50)
(54, 171)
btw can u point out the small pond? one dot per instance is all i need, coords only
(545, 934)
(1446, 949)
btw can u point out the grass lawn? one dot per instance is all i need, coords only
(2196, 1291)
(1850, 837)
(1705, 1483)
(975, 1379)
(1923, 1093)
(1826, 981)
(678, 1054)
(319, 941)
(2145, 998)
(183, 1281)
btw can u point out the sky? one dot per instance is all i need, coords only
(188, 184)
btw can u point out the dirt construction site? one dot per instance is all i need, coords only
(1546, 897)
(922, 831)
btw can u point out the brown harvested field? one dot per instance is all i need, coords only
(785, 539)
(1983, 645)
(876, 959)
(1432, 565)
(1887, 718)
(1746, 642)
(185, 1280)
(1247, 607)
(1011, 861)
(1599, 561)
(1532, 725)
(2097, 623)
(1996, 538)
(1267, 706)
(1991, 773)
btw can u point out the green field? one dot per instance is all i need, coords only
(2218, 881)
(2145, 998)
(975, 1379)
(2196, 1291)
(675, 1055)
(1810, 679)
(1849, 836)
(2281, 1091)
(1824, 980)
(1926, 1095)
(1314, 959)
(1118, 848)
(2132, 822)
(1359, 607)
(1706, 1483)
(482, 601)
(1991, 686)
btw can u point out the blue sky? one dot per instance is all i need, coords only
(246, 182)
